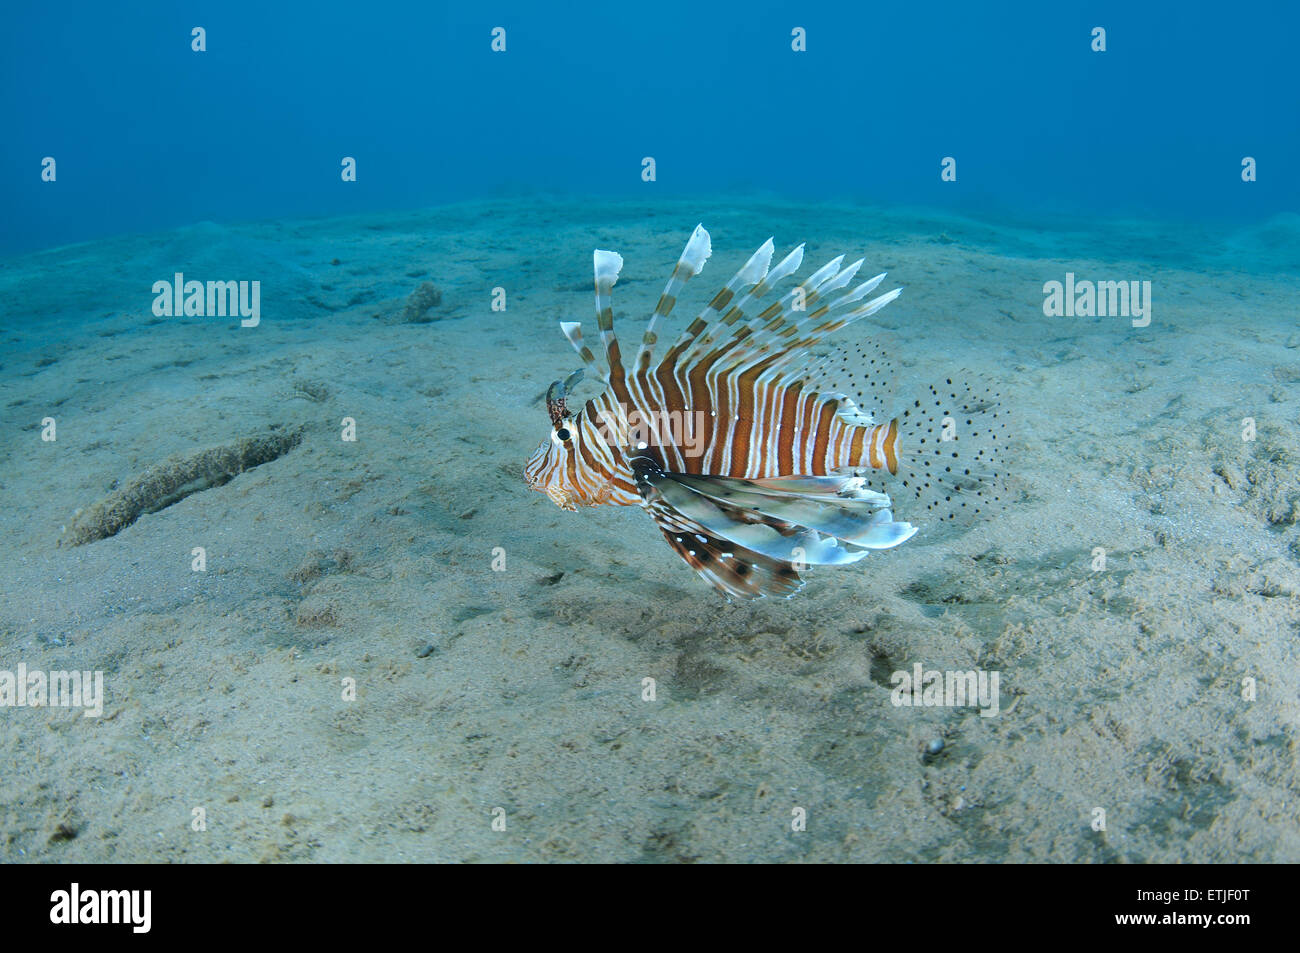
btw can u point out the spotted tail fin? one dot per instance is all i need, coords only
(950, 445)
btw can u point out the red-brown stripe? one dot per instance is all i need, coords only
(785, 438)
(891, 446)
(855, 448)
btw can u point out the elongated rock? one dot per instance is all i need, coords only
(174, 479)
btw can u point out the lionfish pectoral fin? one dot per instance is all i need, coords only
(753, 538)
(730, 568)
(823, 521)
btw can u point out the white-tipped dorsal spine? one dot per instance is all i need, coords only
(698, 250)
(815, 280)
(787, 266)
(573, 331)
(755, 270)
(843, 278)
(607, 265)
(692, 260)
(750, 274)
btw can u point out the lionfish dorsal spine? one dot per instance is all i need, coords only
(696, 343)
(749, 275)
(691, 263)
(797, 313)
(739, 315)
(607, 265)
(573, 331)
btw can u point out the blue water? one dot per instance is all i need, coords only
(148, 134)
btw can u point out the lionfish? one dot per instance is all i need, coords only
(740, 444)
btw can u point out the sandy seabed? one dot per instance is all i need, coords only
(484, 694)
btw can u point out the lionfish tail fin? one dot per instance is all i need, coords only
(951, 452)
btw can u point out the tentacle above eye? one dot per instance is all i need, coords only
(556, 395)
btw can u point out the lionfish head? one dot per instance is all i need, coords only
(556, 468)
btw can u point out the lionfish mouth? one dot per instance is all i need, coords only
(559, 495)
(566, 499)
(561, 498)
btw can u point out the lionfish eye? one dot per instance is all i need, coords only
(563, 434)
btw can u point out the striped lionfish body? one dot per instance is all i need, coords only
(736, 441)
